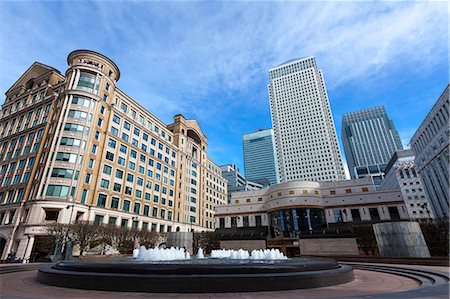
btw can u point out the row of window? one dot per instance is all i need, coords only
(25, 121)
(138, 208)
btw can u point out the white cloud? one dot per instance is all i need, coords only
(210, 60)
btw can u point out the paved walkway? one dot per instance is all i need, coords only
(367, 284)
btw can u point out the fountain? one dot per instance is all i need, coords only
(200, 254)
(160, 270)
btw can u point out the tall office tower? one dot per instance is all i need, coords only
(75, 147)
(430, 143)
(259, 156)
(236, 182)
(370, 139)
(305, 136)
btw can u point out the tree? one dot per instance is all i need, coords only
(365, 237)
(435, 233)
(58, 230)
(83, 233)
(206, 240)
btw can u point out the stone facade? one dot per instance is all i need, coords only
(400, 239)
(430, 144)
(76, 147)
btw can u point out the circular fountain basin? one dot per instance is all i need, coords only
(196, 275)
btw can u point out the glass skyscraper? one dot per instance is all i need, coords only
(259, 156)
(305, 137)
(370, 139)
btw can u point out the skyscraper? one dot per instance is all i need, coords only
(305, 136)
(259, 156)
(430, 143)
(370, 139)
(236, 182)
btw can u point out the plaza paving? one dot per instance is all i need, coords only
(367, 284)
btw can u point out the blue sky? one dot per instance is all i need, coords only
(210, 60)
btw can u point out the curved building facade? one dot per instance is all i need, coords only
(296, 208)
(75, 147)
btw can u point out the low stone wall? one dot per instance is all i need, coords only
(328, 246)
(403, 239)
(181, 240)
(243, 244)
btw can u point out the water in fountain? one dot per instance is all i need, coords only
(170, 254)
(200, 254)
(267, 254)
(157, 254)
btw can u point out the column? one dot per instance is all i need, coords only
(27, 256)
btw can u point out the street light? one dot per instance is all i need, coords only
(66, 241)
(71, 213)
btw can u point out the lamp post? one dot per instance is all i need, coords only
(66, 241)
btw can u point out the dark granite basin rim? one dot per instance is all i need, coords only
(201, 276)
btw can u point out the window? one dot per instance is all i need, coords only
(86, 82)
(77, 114)
(348, 190)
(62, 173)
(145, 225)
(81, 102)
(116, 119)
(57, 191)
(128, 190)
(70, 142)
(99, 218)
(126, 206)
(374, 215)
(337, 215)
(258, 220)
(117, 187)
(245, 221)
(123, 149)
(101, 201)
(109, 156)
(83, 196)
(104, 184)
(64, 157)
(137, 208)
(119, 174)
(115, 203)
(111, 143)
(51, 215)
(233, 222)
(73, 128)
(146, 210)
(107, 169)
